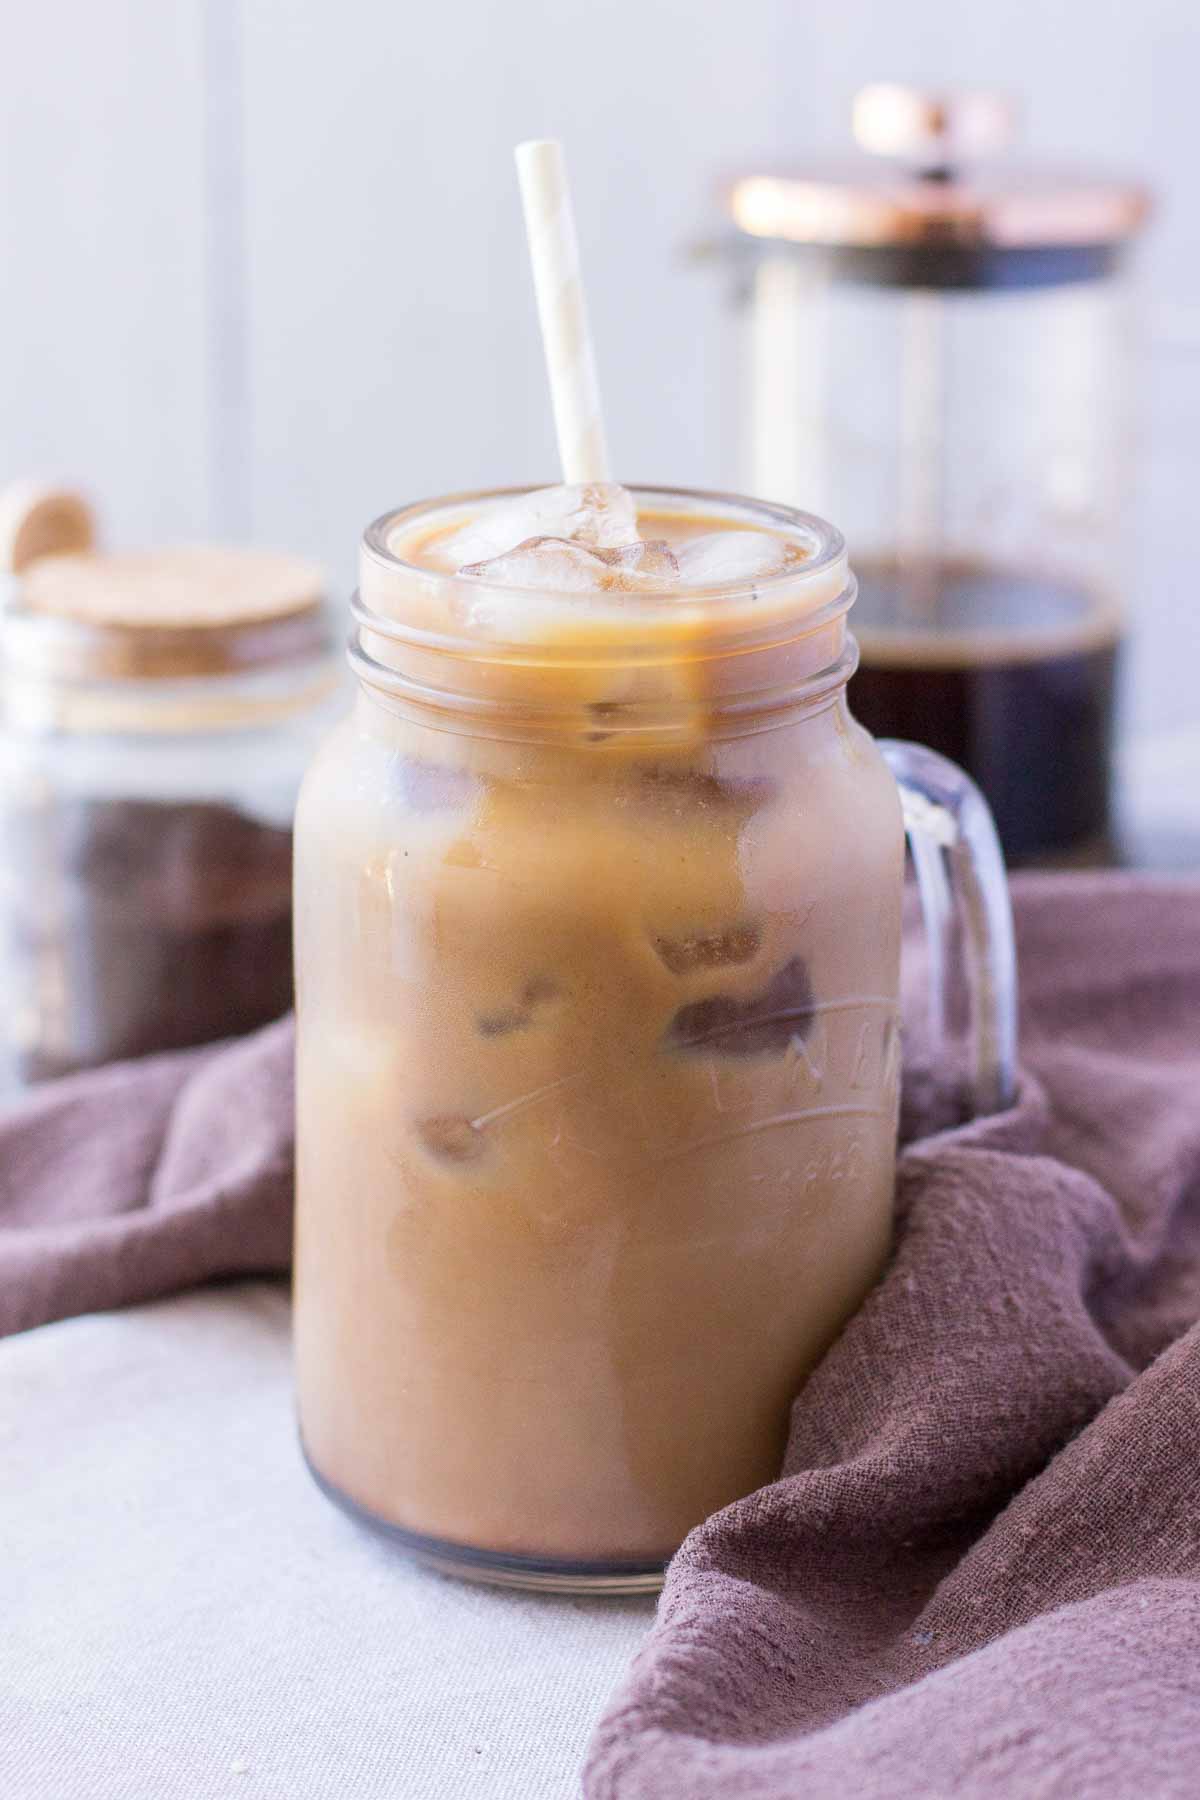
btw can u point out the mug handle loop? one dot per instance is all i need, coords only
(963, 889)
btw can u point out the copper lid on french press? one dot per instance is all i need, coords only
(935, 200)
(77, 613)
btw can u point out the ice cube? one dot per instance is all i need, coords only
(650, 557)
(554, 565)
(600, 514)
(763, 1025)
(452, 1138)
(709, 949)
(518, 1014)
(719, 557)
(686, 791)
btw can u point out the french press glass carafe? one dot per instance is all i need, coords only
(936, 353)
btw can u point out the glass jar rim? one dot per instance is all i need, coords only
(737, 600)
(739, 653)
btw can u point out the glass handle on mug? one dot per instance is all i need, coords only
(972, 964)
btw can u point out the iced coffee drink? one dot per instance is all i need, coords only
(598, 899)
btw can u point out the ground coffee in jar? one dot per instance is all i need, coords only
(158, 710)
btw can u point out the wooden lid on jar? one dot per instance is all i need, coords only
(80, 613)
(196, 587)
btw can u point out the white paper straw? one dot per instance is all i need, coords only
(570, 364)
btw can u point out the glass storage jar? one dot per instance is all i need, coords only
(158, 711)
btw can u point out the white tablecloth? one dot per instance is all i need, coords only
(182, 1614)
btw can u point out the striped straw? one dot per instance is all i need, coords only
(554, 252)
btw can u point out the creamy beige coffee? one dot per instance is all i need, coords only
(598, 904)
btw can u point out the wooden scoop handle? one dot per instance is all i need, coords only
(38, 521)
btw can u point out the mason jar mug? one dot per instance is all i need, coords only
(598, 916)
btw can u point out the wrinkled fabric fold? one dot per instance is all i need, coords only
(133, 1181)
(980, 1571)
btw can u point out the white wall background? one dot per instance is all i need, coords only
(262, 271)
